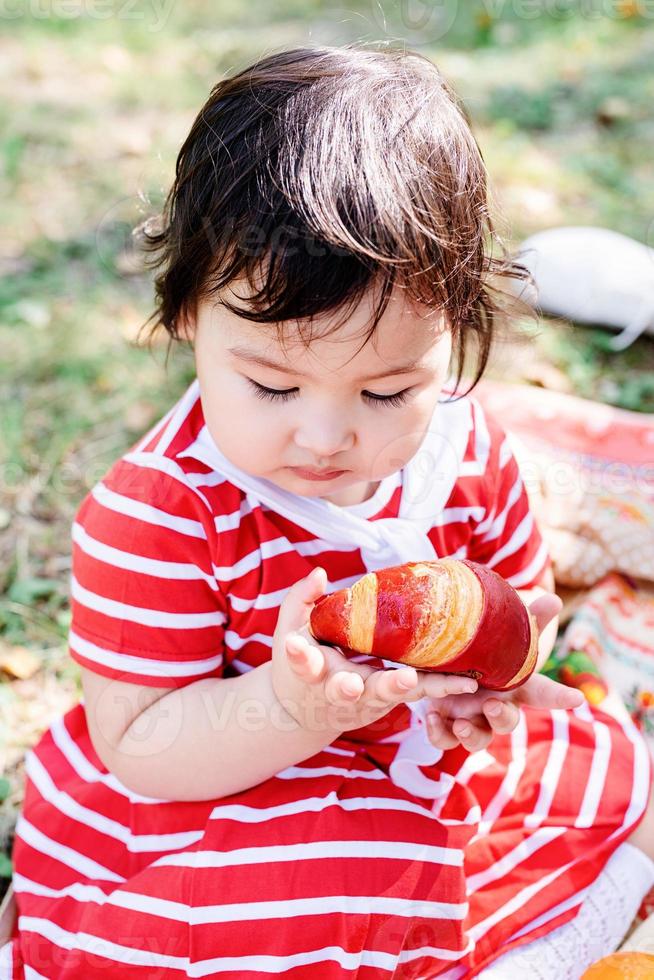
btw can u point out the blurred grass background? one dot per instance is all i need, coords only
(97, 100)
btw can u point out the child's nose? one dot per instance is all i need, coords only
(321, 438)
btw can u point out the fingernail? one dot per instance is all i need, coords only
(463, 731)
(494, 709)
(470, 687)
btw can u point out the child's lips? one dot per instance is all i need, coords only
(309, 474)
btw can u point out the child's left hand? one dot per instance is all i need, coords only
(471, 720)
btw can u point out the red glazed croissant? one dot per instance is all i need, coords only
(451, 616)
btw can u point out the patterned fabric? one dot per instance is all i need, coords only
(588, 471)
(330, 868)
(613, 634)
(607, 651)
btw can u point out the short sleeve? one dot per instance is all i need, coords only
(146, 607)
(508, 539)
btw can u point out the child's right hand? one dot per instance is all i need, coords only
(323, 690)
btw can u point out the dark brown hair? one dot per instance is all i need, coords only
(320, 173)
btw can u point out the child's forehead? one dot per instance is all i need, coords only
(405, 334)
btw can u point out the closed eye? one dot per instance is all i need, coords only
(284, 394)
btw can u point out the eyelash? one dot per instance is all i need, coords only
(273, 394)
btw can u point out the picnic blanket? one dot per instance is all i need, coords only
(589, 472)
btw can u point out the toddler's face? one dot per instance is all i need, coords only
(321, 408)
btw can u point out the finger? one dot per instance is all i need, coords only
(306, 660)
(439, 733)
(472, 737)
(502, 716)
(545, 608)
(344, 687)
(462, 705)
(437, 686)
(298, 602)
(391, 685)
(543, 692)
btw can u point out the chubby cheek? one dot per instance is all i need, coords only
(243, 430)
(394, 440)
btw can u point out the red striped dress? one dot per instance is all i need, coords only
(329, 869)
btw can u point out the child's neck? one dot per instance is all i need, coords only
(356, 494)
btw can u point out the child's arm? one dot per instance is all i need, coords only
(209, 739)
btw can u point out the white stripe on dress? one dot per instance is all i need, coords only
(140, 614)
(553, 768)
(180, 413)
(596, 777)
(61, 852)
(68, 805)
(7, 960)
(279, 965)
(317, 772)
(91, 893)
(97, 946)
(552, 913)
(174, 570)
(271, 600)
(131, 664)
(315, 850)
(499, 522)
(287, 908)
(528, 573)
(474, 763)
(162, 464)
(515, 542)
(31, 974)
(505, 453)
(128, 507)
(458, 515)
(77, 891)
(158, 427)
(315, 804)
(514, 771)
(511, 860)
(85, 769)
(235, 642)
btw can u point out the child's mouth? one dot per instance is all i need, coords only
(316, 474)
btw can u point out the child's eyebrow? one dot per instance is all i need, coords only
(254, 358)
